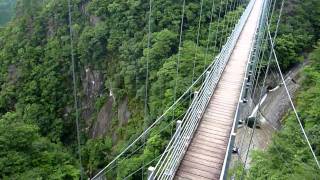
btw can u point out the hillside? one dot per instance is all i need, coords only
(38, 134)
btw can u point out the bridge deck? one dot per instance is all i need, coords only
(206, 152)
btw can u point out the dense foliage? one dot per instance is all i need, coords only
(37, 128)
(288, 156)
(110, 38)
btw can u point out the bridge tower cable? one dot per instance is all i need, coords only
(75, 98)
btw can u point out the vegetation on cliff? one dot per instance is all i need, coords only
(37, 127)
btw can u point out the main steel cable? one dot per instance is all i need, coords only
(137, 149)
(75, 98)
(158, 120)
(276, 31)
(141, 168)
(126, 157)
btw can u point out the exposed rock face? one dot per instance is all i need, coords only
(94, 20)
(12, 73)
(102, 124)
(123, 112)
(92, 84)
(104, 119)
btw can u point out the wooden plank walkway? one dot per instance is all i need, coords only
(206, 152)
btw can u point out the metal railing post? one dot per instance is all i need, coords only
(150, 173)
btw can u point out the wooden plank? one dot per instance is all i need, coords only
(204, 162)
(186, 175)
(213, 126)
(202, 166)
(215, 120)
(197, 172)
(206, 152)
(197, 157)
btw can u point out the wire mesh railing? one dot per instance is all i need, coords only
(163, 126)
(176, 148)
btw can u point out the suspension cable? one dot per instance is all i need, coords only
(147, 74)
(265, 41)
(290, 99)
(141, 168)
(157, 121)
(259, 104)
(223, 25)
(179, 51)
(75, 89)
(197, 42)
(209, 34)
(259, 60)
(148, 59)
(217, 30)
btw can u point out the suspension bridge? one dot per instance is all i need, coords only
(204, 137)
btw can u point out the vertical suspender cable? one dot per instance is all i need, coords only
(263, 51)
(147, 76)
(209, 35)
(291, 102)
(229, 21)
(234, 18)
(75, 89)
(218, 24)
(266, 6)
(223, 25)
(197, 42)
(265, 10)
(179, 52)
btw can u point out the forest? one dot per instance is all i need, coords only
(38, 132)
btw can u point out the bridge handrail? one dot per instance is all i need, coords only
(242, 96)
(170, 159)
